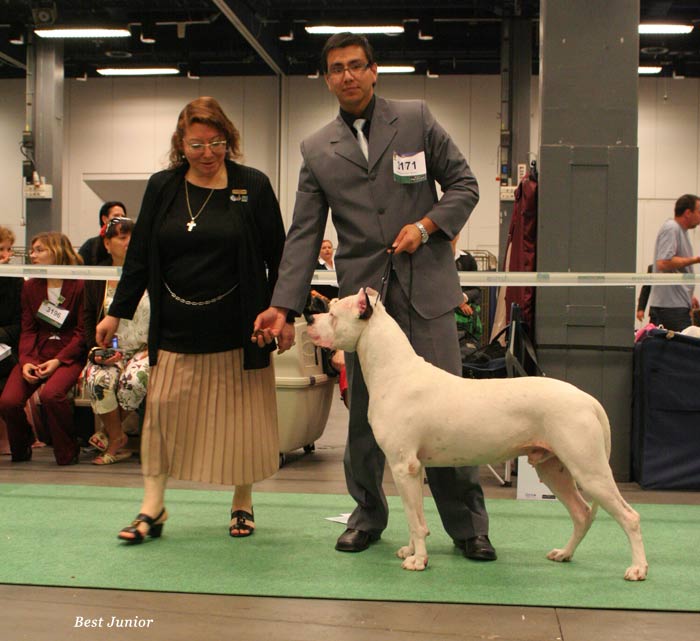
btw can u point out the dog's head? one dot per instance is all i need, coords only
(345, 321)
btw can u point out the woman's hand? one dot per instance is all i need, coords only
(268, 325)
(105, 330)
(29, 373)
(45, 369)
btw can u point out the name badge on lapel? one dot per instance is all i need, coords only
(410, 168)
(51, 314)
(239, 195)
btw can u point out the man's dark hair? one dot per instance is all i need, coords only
(686, 201)
(342, 40)
(104, 210)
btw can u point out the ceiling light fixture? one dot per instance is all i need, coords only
(368, 29)
(426, 29)
(665, 28)
(396, 68)
(82, 32)
(285, 32)
(16, 35)
(193, 71)
(148, 33)
(647, 71)
(138, 71)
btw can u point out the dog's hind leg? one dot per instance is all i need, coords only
(554, 474)
(603, 491)
(408, 476)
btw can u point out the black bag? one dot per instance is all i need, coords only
(517, 358)
(666, 411)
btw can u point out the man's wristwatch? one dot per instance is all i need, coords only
(424, 235)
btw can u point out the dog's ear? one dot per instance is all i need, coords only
(363, 305)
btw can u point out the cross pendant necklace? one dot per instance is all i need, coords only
(192, 222)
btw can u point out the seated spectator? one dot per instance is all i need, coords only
(117, 384)
(325, 261)
(51, 353)
(93, 250)
(468, 314)
(10, 319)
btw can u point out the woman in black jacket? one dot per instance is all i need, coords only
(207, 245)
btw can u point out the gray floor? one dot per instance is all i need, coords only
(49, 614)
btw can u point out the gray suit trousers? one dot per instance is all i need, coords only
(457, 493)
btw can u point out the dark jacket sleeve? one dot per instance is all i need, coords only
(12, 314)
(135, 273)
(92, 302)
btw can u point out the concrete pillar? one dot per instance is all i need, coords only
(588, 200)
(516, 74)
(45, 70)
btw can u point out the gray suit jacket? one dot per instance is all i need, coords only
(369, 208)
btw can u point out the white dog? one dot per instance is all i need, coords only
(424, 416)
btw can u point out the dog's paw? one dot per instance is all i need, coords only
(405, 551)
(559, 555)
(415, 562)
(636, 573)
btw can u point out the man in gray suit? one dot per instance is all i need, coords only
(375, 167)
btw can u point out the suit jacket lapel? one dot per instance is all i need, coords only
(345, 144)
(382, 131)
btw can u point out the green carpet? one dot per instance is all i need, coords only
(66, 536)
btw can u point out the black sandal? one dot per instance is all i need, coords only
(241, 516)
(155, 527)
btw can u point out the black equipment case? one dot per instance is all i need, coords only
(666, 412)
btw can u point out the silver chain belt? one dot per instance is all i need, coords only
(198, 303)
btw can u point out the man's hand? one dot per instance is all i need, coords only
(408, 240)
(640, 314)
(286, 338)
(270, 325)
(695, 304)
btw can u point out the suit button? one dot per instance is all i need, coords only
(372, 176)
(380, 210)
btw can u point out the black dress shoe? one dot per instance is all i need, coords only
(478, 548)
(21, 457)
(355, 540)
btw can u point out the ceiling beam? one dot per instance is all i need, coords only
(241, 17)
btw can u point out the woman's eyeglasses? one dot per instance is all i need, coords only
(199, 147)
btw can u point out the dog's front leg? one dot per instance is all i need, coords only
(408, 476)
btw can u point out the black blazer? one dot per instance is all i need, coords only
(10, 321)
(259, 255)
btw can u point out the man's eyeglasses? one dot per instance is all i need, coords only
(356, 67)
(199, 147)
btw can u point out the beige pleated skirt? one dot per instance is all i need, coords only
(209, 420)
